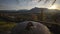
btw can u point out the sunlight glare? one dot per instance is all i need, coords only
(53, 7)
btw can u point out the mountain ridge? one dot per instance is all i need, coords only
(33, 10)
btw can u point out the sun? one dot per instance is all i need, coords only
(53, 7)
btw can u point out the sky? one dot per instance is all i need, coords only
(26, 4)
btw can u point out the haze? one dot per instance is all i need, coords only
(26, 4)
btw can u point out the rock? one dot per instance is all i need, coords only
(30, 27)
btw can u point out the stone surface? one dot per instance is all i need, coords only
(30, 27)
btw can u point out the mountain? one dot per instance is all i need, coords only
(33, 10)
(37, 10)
(13, 11)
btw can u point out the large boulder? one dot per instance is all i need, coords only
(30, 27)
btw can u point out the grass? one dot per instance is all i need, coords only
(4, 26)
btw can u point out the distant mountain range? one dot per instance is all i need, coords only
(33, 10)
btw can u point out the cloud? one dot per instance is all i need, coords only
(6, 7)
(58, 7)
(22, 4)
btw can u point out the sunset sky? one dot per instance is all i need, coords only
(27, 4)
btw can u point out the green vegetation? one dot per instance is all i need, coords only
(4, 26)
